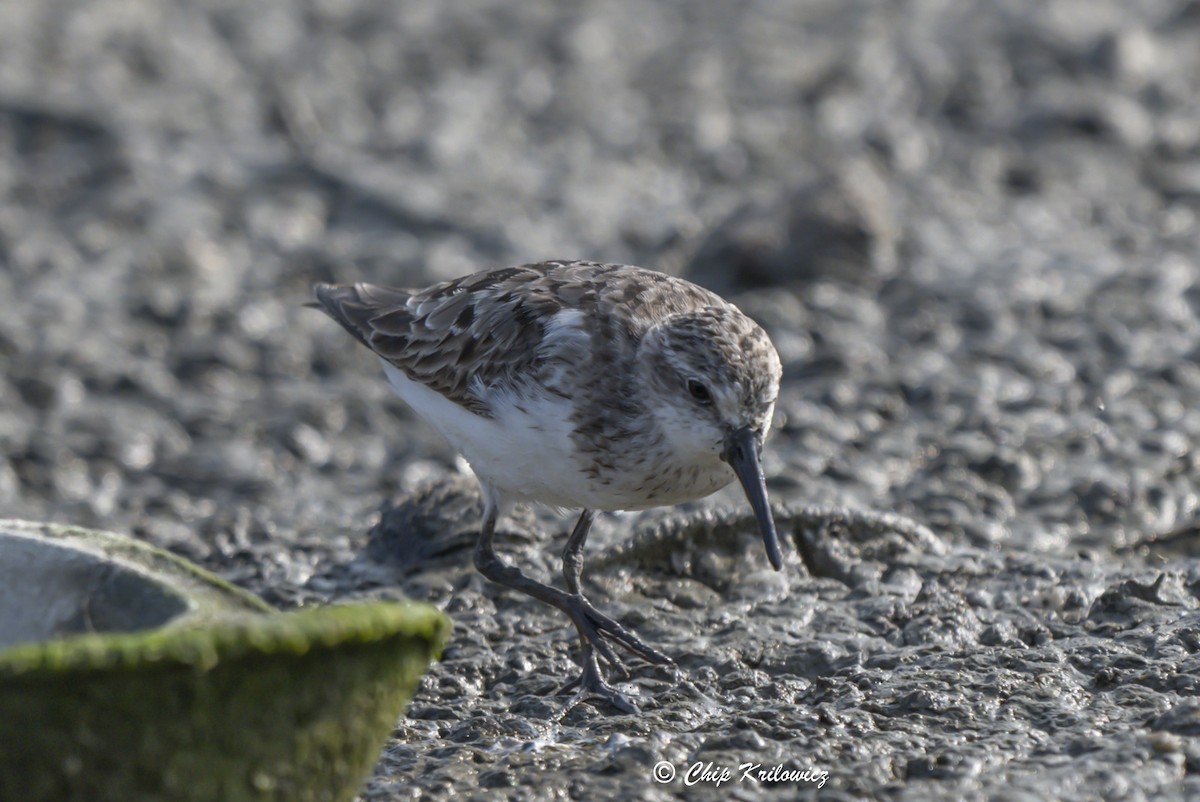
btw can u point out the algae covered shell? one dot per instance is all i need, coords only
(226, 699)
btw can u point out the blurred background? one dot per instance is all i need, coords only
(969, 227)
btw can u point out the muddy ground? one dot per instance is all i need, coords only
(970, 228)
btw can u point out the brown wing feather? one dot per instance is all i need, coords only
(488, 330)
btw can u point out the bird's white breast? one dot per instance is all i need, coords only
(524, 453)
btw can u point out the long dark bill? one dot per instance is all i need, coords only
(741, 452)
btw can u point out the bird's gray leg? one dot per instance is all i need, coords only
(593, 626)
(573, 553)
(591, 623)
(572, 572)
(582, 608)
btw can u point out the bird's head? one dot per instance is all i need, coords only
(712, 377)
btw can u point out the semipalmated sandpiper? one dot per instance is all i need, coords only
(583, 386)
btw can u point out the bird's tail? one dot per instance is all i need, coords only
(355, 305)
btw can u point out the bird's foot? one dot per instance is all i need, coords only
(594, 627)
(596, 630)
(591, 684)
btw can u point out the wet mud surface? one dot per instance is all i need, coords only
(970, 229)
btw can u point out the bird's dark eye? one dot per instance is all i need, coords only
(699, 392)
